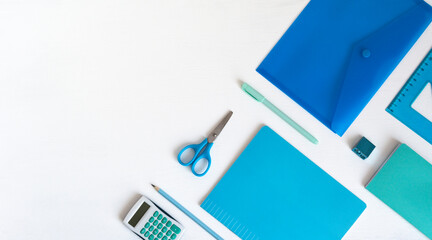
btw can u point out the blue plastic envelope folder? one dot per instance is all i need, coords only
(273, 191)
(337, 54)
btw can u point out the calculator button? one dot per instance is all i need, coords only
(164, 220)
(169, 232)
(160, 226)
(155, 214)
(147, 225)
(160, 217)
(175, 229)
(155, 231)
(151, 237)
(165, 238)
(160, 235)
(169, 223)
(155, 222)
(151, 219)
(151, 228)
(143, 231)
(174, 236)
(164, 229)
(147, 234)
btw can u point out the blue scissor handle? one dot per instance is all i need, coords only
(204, 155)
(201, 151)
(196, 148)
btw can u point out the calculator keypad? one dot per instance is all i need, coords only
(159, 227)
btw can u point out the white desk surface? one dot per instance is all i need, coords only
(97, 97)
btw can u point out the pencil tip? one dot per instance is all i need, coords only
(152, 185)
(156, 188)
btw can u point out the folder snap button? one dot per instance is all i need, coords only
(366, 53)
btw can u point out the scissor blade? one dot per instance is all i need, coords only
(215, 133)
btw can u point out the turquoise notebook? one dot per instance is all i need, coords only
(273, 191)
(404, 183)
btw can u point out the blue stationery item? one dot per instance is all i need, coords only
(404, 183)
(273, 191)
(337, 53)
(363, 148)
(260, 98)
(401, 106)
(185, 211)
(201, 152)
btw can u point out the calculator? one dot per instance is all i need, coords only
(150, 222)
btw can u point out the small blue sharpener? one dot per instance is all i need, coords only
(363, 148)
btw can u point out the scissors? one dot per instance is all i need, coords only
(201, 152)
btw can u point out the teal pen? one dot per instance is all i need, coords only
(260, 98)
(189, 214)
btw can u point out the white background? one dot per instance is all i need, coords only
(98, 96)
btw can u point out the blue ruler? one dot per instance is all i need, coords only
(401, 106)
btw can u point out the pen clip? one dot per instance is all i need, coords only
(252, 92)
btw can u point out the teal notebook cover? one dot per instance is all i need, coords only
(404, 183)
(273, 191)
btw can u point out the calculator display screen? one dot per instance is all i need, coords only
(139, 214)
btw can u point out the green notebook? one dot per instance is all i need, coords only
(404, 183)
